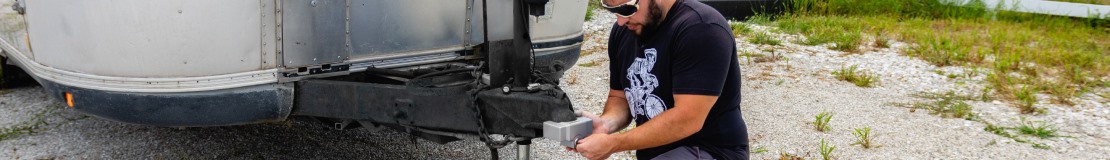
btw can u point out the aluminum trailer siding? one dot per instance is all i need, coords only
(217, 62)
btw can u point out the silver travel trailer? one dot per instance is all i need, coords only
(437, 68)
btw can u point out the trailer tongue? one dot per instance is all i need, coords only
(505, 96)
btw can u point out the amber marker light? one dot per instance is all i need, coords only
(69, 99)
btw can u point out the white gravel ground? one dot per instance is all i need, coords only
(780, 100)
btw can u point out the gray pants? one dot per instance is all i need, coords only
(685, 152)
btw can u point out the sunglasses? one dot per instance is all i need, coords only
(623, 10)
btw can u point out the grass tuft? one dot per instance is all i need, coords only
(1002, 131)
(1037, 129)
(882, 41)
(788, 156)
(590, 7)
(826, 150)
(821, 121)
(1105, 96)
(764, 38)
(863, 137)
(740, 28)
(26, 127)
(946, 105)
(1026, 98)
(840, 31)
(759, 19)
(759, 150)
(857, 77)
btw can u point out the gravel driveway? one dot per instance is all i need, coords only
(780, 99)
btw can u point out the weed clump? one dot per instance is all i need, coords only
(863, 137)
(26, 127)
(1042, 131)
(788, 156)
(1037, 129)
(1026, 98)
(740, 28)
(947, 105)
(764, 38)
(758, 150)
(821, 121)
(840, 31)
(826, 150)
(857, 77)
(590, 7)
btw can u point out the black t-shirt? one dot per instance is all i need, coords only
(692, 52)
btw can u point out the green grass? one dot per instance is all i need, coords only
(863, 137)
(1026, 98)
(839, 31)
(762, 19)
(747, 54)
(764, 38)
(1003, 131)
(881, 41)
(821, 121)
(1060, 56)
(759, 150)
(855, 76)
(826, 150)
(946, 105)
(1105, 96)
(590, 7)
(788, 156)
(1037, 129)
(740, 28)
(27, 127)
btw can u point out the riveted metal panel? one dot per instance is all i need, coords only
(146, 39)
(314, 32)
(387, 27)
(270, 58)
(13, 28)
(477, 28)
(563, 20)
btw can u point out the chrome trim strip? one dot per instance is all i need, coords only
(136, 84)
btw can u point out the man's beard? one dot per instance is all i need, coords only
(655, 15)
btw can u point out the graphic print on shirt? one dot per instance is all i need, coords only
(641, 101)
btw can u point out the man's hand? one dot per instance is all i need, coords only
(601, 126)
(685, 119)
(598, 146)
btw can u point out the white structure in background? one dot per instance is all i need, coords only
(1048, 7)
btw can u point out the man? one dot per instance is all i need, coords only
(674, 71)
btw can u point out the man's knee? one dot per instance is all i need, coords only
(685, 152)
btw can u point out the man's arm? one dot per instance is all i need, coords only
(685, 119)
(616, 115)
